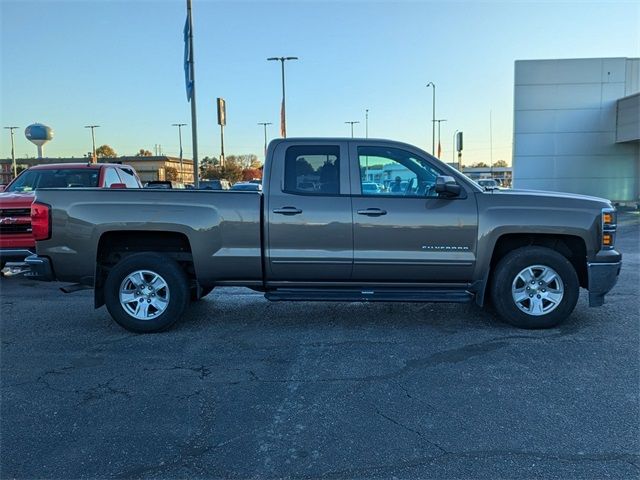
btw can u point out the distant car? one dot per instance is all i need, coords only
(488, 183)
(164, 184)
(370, 188)
(215, 184)
(247, 187)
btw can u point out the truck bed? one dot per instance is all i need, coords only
(223, 228)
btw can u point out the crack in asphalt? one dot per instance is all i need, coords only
(629, 459)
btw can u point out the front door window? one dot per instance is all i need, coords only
(392, 172)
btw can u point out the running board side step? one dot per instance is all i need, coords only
(369, 295)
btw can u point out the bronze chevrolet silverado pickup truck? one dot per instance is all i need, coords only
(339, 220)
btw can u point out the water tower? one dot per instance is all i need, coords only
(38, 134)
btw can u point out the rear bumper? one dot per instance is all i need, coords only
(602, 278)
(17, 254)
(39, 268)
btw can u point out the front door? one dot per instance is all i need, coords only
(403, 230)
(309, 219)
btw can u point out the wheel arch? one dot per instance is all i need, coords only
(572, 247)
(116, 244)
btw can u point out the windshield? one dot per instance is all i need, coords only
(55, 178)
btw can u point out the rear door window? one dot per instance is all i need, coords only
(312, 170)
(111, 177)
(128, 178)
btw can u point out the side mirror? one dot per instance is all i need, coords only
(2, 187)
(118, 185)
(447, 186)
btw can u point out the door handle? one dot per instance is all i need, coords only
(287, 211)
(372, 212)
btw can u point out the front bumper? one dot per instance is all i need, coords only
(602, 278)
(39, 268)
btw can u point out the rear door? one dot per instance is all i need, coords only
(308, 211)
(403, 230)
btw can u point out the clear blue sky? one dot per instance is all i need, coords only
(119, 64)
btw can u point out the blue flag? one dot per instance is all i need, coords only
(187, 59)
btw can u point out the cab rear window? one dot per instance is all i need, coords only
(58, 178)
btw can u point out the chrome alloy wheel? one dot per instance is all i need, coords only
(537, 290)
(144, 294)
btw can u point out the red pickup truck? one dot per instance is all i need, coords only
(16, 239)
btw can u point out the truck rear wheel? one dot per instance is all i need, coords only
(534, 287)
(146, 292)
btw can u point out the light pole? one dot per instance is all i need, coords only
(491, 142)
(93, 141)
(433, 126)
(13, 151)
(439, 144)
(264, 124)
(180, 125)
(352, 123)
(366, 123)
(453, 147)
(283, 114)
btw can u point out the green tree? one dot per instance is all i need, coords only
(231, 171)
(245, 161)
(144, 153)
(479, 165)
(171, 174)
(501, 163)
(105, 151)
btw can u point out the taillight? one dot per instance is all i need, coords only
(41, 220)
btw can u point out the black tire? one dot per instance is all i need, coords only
(173, 275)
(506, 273)
(205, 291)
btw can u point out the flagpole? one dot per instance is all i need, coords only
(194, 122)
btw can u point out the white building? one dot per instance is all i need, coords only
(577, 126)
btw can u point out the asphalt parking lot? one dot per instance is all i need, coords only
(244, 388)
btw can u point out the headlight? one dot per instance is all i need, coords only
(609, 226)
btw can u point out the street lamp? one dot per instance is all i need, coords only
(433, 126)
(180, 125)
(264, 124)
(93, 141)
(352, 123)
(366, 123)
(283, 115)
(13, 151)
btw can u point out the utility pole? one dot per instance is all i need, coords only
(180, 125)
(439, 144)
(433, 126)
(366, 123)
(264, 124)
(453, 147)
(191, 93)
(222, 121)
(93, 141)
(283, 112)
(352, 123)
(13, 151)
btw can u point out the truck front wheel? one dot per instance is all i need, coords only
(146, 292)
(534, 287)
